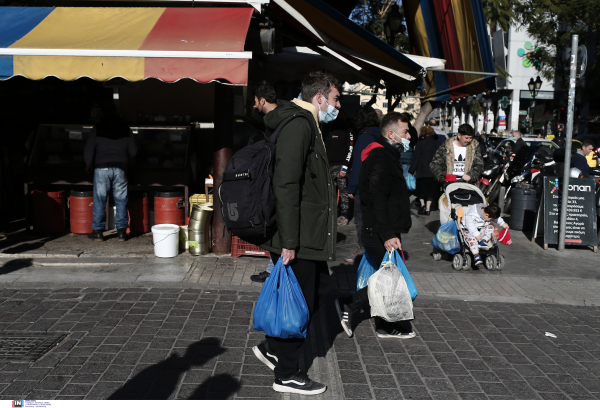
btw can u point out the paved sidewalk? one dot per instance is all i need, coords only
(168, 343)
(181, 328)
(530, 275)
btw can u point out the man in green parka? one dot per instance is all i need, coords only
(306, 217)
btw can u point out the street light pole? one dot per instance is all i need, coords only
(567, 171)
(534, 88)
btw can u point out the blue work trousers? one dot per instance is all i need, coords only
(105, 180)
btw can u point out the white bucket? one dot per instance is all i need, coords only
(166, 240)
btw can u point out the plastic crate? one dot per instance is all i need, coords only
(240, 247)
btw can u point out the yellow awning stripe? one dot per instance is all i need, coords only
(92, 28)
(69, 69)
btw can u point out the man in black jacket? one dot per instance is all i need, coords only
(519, 143)
(385, 206)
(306, 221)
(109, 149)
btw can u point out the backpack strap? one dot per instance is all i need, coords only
(311, 148)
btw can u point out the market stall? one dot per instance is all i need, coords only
(162, 162)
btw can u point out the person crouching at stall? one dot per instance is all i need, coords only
(109, 148)
(385, 204)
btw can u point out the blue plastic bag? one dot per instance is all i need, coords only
(446, 238)
(411, 181)
(281, 310)
(397, 260)
(366, 268)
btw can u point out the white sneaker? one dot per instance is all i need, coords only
(395, 334)
(299, 383)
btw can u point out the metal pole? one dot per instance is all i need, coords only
(570, 111)
(446, 118)
(533, 114)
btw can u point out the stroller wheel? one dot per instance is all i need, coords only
(500, 264)
(467, 263)
(436, 255)
(490, 262)
(457, 262)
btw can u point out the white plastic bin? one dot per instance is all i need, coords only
(165, 238)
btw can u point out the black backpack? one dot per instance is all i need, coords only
(246, 194)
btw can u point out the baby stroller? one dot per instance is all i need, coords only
(454, 204)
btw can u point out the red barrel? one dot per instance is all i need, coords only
(48, 211)
(139, 219)
(169, 208)
(81, 209)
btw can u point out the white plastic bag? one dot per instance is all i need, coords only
(388, 294)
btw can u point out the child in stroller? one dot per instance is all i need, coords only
(458, 200)
(477, 228)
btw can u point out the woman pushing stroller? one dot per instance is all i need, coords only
(479, 230)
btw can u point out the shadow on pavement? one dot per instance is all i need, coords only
(15, 264)
(433, 226)
(160, 381)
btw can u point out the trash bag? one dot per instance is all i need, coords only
(446, 238)
(366, 268)
(389, 297)
(281, 310)
(399, 262)
(411, 181)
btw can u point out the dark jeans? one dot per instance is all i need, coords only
(358, 221)
(374, 247)
(105, 180)
(313, 277)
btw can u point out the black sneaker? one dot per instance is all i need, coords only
(394, 334)
(268, 359)
(260, 277)
(122, 235)
(345, 315)
(299, 383)
(96, 235)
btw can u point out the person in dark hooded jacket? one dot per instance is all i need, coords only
(427, 186)
(385, 206)
(366, 127)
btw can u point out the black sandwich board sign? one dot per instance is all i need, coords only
(581, 212)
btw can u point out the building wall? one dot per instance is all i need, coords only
(410, 104)
(520, 76)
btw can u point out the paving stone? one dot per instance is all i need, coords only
(464, 384)
(76, 389)
(387, 394)
(353, 377)
(256, 392)
(357, 392)
(53, 383)
(430, 372)
(414, 393)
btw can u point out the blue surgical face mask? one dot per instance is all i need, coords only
(405, 142)
(329, 115)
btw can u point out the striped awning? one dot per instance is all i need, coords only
(204, 44)
(339, 36)
(455, 31)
